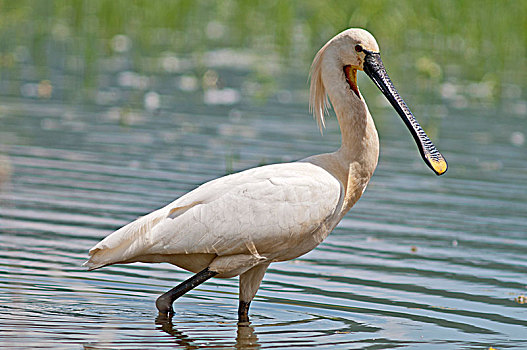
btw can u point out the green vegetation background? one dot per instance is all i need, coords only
(481, 41)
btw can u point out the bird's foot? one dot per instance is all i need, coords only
(243, 313)
(163, 319)
(244, 323)
(164, 306)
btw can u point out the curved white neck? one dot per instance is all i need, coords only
(360, 142)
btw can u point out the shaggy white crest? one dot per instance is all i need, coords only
(318, 98)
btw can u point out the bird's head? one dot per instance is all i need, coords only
(352, 45)
(346, 52)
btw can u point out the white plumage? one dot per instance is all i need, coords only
(240, 223)
(261, 214)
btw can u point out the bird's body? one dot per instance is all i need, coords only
(226, 223)
(240, 223)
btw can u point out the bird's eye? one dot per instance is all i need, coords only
(358, 48)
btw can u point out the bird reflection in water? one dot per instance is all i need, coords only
(246, 337)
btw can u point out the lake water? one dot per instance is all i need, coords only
(421, 262)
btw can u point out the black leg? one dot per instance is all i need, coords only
(243, 311)
(164, 302)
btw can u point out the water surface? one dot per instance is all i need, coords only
(420, 262)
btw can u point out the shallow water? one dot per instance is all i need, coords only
(421, 262)
(111, 109)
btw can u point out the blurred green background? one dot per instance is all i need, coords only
(467, 52)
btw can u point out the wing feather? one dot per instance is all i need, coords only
(259, 210)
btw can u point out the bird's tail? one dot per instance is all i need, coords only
(124, 244)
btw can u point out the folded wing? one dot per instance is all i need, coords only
(257, 211)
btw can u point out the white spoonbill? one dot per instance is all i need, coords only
(238, 224)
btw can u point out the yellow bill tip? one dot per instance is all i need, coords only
(439, 165)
